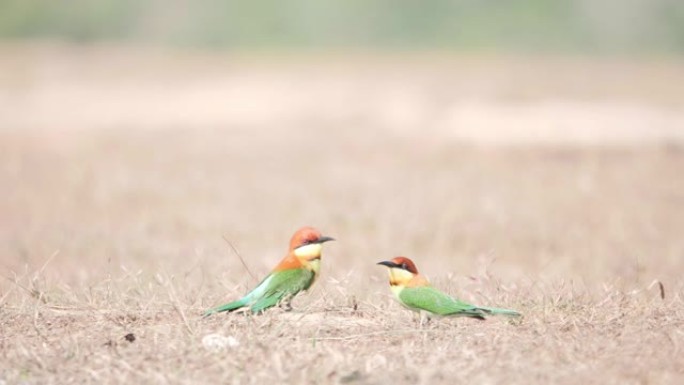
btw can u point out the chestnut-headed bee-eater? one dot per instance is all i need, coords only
(295, 273)
(416, 293)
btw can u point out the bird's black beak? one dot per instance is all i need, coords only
(325, 239)
(388, 264)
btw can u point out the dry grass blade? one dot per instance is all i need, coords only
(240, 257)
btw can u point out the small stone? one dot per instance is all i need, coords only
(130, 337)
(217, 342)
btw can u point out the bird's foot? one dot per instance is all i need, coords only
(424, 319)
(286, 306)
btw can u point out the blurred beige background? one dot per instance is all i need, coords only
(546, 136)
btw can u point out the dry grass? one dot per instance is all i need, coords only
(112, 225)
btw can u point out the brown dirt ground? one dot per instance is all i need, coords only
(550, 185)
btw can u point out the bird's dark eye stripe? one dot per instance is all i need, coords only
(404, 266)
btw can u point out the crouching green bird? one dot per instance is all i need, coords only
(416, 293)
(296, 272)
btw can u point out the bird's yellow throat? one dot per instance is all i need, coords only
(311, 255)
(399, 277)
(308, 251)
(315, 265)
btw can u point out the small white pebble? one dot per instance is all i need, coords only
(216, 342)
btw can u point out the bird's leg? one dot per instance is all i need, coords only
(416, 317)
(424, 318)
(286, 303)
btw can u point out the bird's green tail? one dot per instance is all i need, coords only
(497, 311)
(227, 307)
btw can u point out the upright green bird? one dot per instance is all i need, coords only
(296, 272)
(416, 293)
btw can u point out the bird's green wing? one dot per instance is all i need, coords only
(430, 299)
(282, 284)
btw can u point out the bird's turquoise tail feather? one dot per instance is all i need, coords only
(498, 311)
(227, 307)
